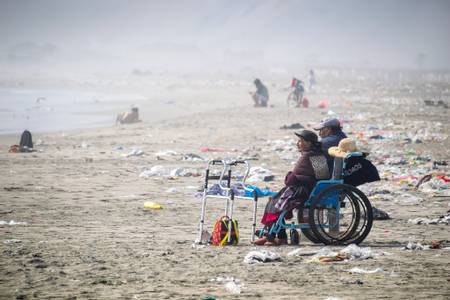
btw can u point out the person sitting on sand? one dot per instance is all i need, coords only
(330, 132)
(309, 168)
(261, 96)
(128, 117)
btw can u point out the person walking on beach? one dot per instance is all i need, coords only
(261, 96)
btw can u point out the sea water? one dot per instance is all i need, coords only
(55, 110)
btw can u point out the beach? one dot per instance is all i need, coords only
(74, 224)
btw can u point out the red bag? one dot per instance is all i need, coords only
(221, 230)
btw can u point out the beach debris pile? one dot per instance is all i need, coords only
(163, 171)
(444, 219)
(349, 253)
(261, 256)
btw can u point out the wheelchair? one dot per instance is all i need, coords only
(335, 213)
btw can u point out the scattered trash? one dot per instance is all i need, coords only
(135, 152)
(207, 149)
(152, 205)
(163, 171)
(351, 252)
(378, 214)
(12, 222)
(232, 285)
(357, 270)
(258, 174)
(445, 219)
(418, 246)
(166, 153)
(261, 256)
(12, 241)
(192, 157)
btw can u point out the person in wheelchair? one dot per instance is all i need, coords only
(310, 167)
(330, 132)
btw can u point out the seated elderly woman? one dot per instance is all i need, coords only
(128, 117)
(310, 167)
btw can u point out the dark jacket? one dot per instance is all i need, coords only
(331, 141)
(359, 170)
(310, 167)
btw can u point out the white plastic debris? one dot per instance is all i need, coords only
(261, 256)
(135, 152)
(166, 153)
(445, 219)
(232, 285)
(357, 270)
(355, 252)
(12, 222)
(12, 241)
(258, 174)
(154, 171)
(416, 246)
(351, 252)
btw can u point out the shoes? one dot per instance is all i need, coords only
(261, 241)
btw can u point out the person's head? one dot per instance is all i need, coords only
(135, 109)
(328, 127)
(257, 82)
(307, 140)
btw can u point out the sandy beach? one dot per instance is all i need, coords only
(74, 226)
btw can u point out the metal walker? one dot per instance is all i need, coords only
(229, 195)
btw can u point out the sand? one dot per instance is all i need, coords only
(86, 234)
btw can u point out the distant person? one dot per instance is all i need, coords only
(311, 79)
(261, 96)
(330, 132)
(128, 117)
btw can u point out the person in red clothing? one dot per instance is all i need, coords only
(310, 167)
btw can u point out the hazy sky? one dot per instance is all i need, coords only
(382, 33)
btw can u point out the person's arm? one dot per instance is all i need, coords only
(302, 172)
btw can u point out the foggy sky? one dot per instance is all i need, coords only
(384, 34)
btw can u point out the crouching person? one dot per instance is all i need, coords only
(309, 168)
(128, 117)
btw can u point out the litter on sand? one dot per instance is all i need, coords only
(445, 219)
(232, 285)
(261, 256)
(152, 205)
(349, 253)
(357, 270)
(419, 246)
(12, 222)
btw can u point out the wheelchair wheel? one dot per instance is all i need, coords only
(292, 99)
(350, 223)
(307, 232)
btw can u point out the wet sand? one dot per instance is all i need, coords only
(87, 236)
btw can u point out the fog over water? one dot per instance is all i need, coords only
(188, 35)
(78, 55)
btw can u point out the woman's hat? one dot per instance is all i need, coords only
(307, 135)
(344, 148)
